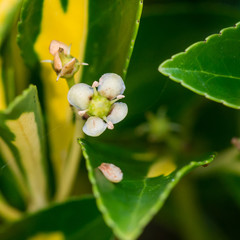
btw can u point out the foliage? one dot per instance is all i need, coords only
(169, 131)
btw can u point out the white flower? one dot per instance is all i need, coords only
(99, 105)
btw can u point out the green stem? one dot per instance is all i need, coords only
(71, 165)
(70, 82)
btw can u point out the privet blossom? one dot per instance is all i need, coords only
(98, 103)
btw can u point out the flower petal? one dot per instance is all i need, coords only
(118, 113)
(94, 126)
(111, 85)
(79, 95)
(55, 45)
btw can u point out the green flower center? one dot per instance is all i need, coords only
(99, 106)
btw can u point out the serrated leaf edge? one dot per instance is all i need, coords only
(162, 70)
(184, 170)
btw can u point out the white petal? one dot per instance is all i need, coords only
(79, 95)
(111, 85)
(55, 45)
(111, 172)
(94, 126)
(118, 113)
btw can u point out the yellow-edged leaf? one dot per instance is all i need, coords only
(28, 145)
(22, 147)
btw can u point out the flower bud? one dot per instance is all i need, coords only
(63, 63)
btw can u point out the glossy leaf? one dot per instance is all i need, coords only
(146, 89)
(72, 220)
(112, 31)
(129, 205)
(23, 148)
(210, 68)
(94, 30)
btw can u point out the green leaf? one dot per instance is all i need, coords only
(9, 187)
(72, 220)
(22, 144)
(129, 205)
(210, 68)
(146, 89)
(112, 31)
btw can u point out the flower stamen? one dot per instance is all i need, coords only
(117, 98)
(110, 125)
(85, 64)
(82, 113)
(47, 61)
(95, 84)
(120, 97)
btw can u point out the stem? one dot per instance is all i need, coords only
(71, 165)
(70, 82)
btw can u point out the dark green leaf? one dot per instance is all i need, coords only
(146, 89)
(73, 220)
(113, 27)
(210, 68)
(129, 205)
